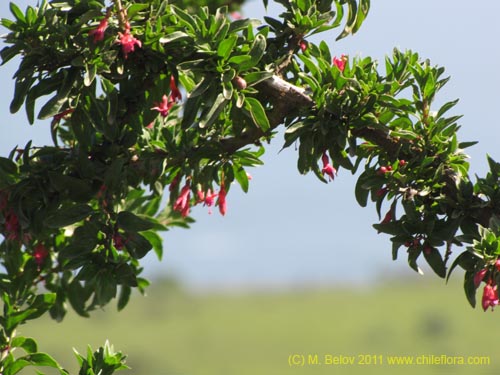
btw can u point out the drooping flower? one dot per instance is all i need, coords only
(98, 33)
(210, 198)
(128, 42)
(387, 217)
(328, 169)
(118, 241)
(497, 265)
(175, 182)
(490, 296)
(479, 276)
(222, 200)
(164, 106)
(183, 201)
(11, 226)
(340, 62)
(175, 94)
(63, 115)
(40, 253)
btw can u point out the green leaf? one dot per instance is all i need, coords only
(175, 36)
(124, 297)
(16, 12)
(212, 115)
(241, 176)
(137, 245)
(226, 46)
(470, 287)
(466, 260)
(257, 113)
(55, 104)
(133, 223)
(26, 343)
(361, 192)
(435, 260)
(68, 215)
(201, 87)
(8, 166)
(256, 77)
(106, 288)
(255, 53)
(155, 240)
(20, 91)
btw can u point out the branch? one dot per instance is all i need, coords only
(286, 100)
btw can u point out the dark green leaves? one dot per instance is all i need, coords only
(68, 215)
(133, 223)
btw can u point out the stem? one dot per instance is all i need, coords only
(122, 14)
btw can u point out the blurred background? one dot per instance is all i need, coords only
(295, 266)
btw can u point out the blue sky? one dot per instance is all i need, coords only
(292, 230)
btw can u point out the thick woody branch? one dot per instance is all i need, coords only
(286, 99)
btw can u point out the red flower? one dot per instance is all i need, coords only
(303, 45)
(40, 253)
(63, 115)
(183, 201)
(164, 106)
(11, 226)
(118, 241)
(222, 200)
(479, 276)
(175, 94)
(340, 63)
(175, 182)
(327, 167)
(490, 296)
(98, 32)
(387, 217)
(381, 192)
(128, 42)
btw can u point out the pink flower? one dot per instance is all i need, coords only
(183, 201)
(98, 32)
(327, 167)
(164, 106)
(490, 296)
(175, 94)
(340, 63)
(303, 45)
(479, 276)
(128, 42)
(210, 198)
(222, 200)
(236, 16)
(40, 253)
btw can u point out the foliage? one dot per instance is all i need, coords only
(78, 216)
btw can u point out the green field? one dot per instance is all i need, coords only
(171, 332)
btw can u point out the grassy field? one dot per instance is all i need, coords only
(171, 332)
